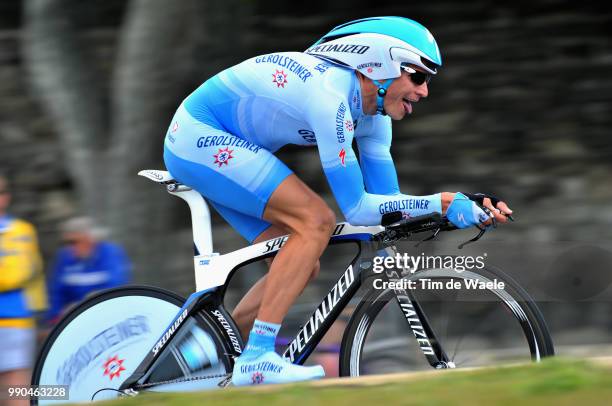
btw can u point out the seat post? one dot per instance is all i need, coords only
(200, 219)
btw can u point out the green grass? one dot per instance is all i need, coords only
(554, 382)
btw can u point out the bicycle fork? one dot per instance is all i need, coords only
(428, 342)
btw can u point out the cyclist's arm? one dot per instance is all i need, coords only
(373, 136)
(344, 174)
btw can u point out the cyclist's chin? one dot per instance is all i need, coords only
(396, 113)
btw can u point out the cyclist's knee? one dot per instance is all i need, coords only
(320, 221)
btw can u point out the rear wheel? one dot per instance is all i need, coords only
(101, 342)
(474, 327)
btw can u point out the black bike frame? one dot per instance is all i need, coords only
(312, 331)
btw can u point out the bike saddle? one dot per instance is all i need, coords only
(158, 176)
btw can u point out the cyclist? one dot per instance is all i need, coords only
(348, 85)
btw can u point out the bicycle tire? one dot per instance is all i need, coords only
(368, 309)
(86, 313)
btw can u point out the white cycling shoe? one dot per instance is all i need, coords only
(269, 368)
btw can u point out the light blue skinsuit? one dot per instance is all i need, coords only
(222, 138)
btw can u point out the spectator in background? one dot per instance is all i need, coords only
(84, 265)
(21, 294)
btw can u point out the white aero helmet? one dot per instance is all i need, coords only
(379, 48)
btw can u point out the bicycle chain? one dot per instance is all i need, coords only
(223, 383)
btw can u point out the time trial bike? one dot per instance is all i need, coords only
(139, 338)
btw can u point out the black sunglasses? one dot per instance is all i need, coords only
(418, 78)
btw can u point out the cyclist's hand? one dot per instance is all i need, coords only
(463, 212)
(498, 209)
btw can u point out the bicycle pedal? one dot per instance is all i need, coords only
(129, 392)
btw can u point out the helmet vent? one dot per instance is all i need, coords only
(429, 64)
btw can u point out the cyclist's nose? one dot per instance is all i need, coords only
(422, 90)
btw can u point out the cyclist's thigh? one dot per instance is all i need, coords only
(247, 226)
(293, 202)
(226, 169)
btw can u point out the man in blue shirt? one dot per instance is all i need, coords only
(85, 265)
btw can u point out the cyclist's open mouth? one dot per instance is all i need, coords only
(407, 105)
